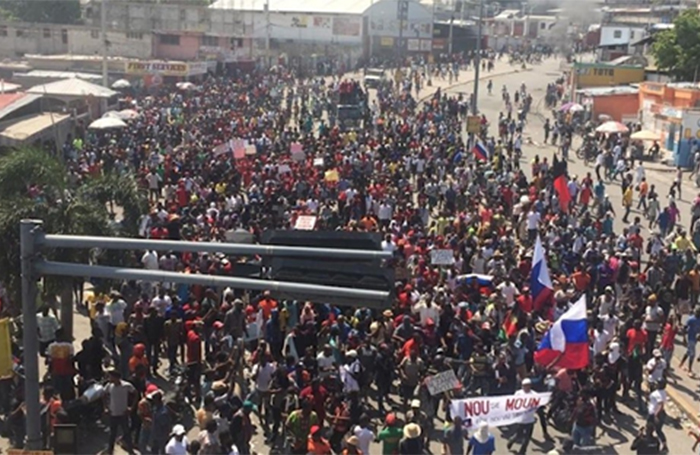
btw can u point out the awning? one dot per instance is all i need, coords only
(28, 128)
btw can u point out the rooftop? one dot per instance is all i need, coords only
(72, 87)
(608, 91)
(348, 7)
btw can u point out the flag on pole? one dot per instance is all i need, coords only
(540, 284)
(480, 151)
(566, 343)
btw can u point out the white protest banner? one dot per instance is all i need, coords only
(297, 151)
(442, 382)
(250, 149)
(305, 223)
(283, 168)
(221, 149)
(499, 411)
(318, 161)
(442, 257)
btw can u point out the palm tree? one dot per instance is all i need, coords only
(34, 184)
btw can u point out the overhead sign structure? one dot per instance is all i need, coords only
(499, 411)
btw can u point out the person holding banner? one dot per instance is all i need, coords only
(523, 435)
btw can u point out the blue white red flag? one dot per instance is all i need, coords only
(566, 343)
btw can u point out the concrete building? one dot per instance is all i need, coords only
(513, 28)
(19, 38)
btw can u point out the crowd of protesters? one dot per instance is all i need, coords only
(324, 379)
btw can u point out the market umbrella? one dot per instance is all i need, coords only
(121, 83)
(645, 135)
(106, 123)
(612, 127)
(185, 85)
(570, 106)
(604, 117)
(129, 114)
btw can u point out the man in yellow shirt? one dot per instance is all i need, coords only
(627, 202)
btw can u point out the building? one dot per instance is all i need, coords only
(619, 103)
(586, 75)
(23, 122)
(621, 28)
(673, 111)
(513, 28)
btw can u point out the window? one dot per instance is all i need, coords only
(94, 34)
(183, 15)
(19, 33)
(210, 40)
(542, 25)
(631, 34)
(603, 72)
(134, 35)
(64, 36)
(237, 42)
(3, 30)
(617, 34)
(47, 33)
(170, 40)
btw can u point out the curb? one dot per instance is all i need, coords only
(684, 404)
(490, 76)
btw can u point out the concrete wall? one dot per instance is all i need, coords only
(188, 49)
(383, 20)
(132, 45)
(17, 39)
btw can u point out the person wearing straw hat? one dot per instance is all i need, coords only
(412, 442)
(352, 446)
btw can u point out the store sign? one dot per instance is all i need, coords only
(166, 68)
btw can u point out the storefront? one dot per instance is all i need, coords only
(154, 73)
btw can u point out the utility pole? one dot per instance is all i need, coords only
(103, 33)
(402, 14)
(268, 32)
(28, 232)
(477, 62)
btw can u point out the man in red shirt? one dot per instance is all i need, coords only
(194, 355)
(319, 394)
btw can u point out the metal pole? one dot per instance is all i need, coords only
(475, 108)
(119, 273)
(449, 43)
(28, 231)
(79, 241)
(268, 32)
(103, 33)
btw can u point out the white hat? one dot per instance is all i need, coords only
(482, 433)
(526, 381)
(179, 430)
(614, 353)
(656, 352)
(351, 353)
(415, 403)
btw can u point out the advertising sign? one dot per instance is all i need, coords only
(499, 411)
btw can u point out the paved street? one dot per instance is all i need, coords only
(615, 436)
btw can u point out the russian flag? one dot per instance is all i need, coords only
(566, 343)
(480, 152)
(540, 284)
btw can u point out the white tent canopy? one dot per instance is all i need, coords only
(72, 87)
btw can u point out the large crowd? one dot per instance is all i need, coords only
(319, 378)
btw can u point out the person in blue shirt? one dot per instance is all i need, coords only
(691, 330)
(482, 442)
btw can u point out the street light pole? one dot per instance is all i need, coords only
(477, 62)
(103, 34)
(28, 232)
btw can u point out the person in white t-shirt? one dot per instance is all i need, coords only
(509, 291)
(178, 442)
(350, 372)
(657, 411)
(326, 360)
(364, 434)
(426, 309)
(532, 221)
(523, 434)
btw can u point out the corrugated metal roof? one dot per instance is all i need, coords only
(73, 87)
(605, 91)
(62, 75)
(26, 128)
(349, 7)
(13, 101)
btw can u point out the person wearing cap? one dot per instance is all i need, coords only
(656, 367)
(418, 416)
(523, 435)
(390, 435)
(177, 445)
(350, 372)
(318, 445)
(145, 416)
(656, 410)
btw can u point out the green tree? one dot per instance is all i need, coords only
(677, 50)
(34, 184)
(42, 11)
